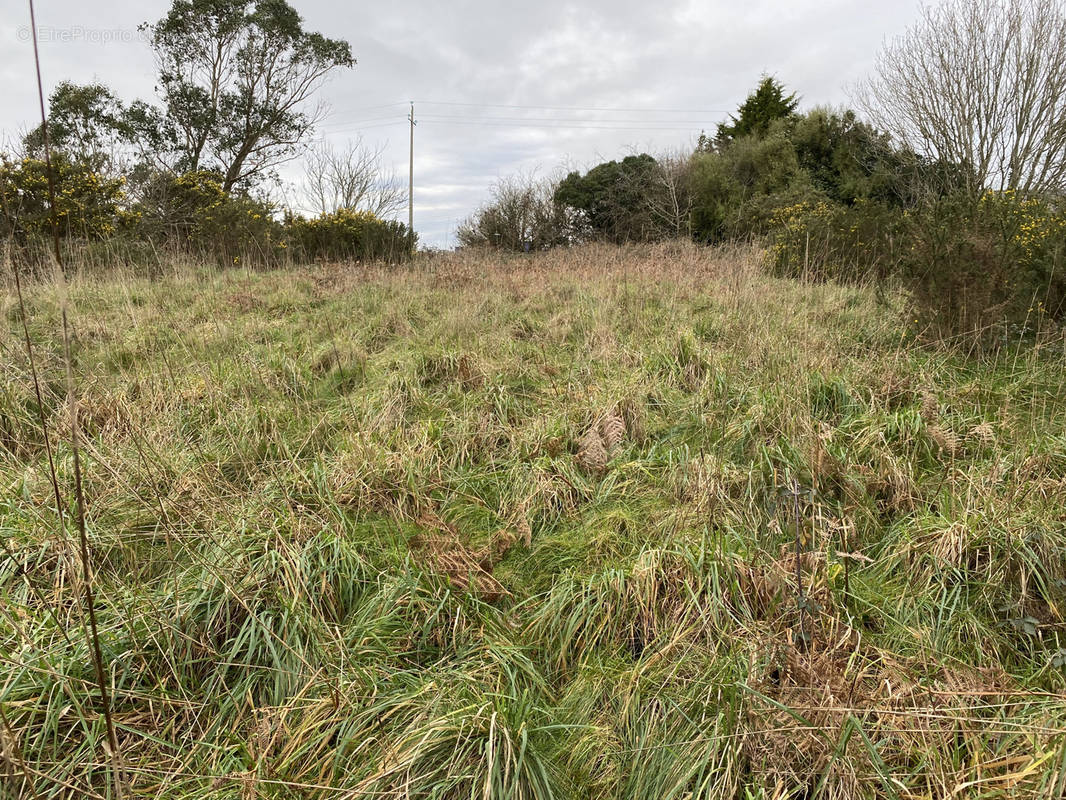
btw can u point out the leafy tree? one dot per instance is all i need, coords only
(234, 76)
(613, 198)
(821, 159)
(86, 123)
(762, 108)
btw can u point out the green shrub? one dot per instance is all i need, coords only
(735, 191)
(193, 214)
(614, 199)
(819, 240)
(349, 235)
(88, 205)
(992, 266)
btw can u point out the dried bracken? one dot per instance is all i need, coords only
(817, 708)
(930, 410)
(896, 388)
(946, 439)
(601, 441)
(592, 455)
(985, 433)
(612, 430)
(442, 552)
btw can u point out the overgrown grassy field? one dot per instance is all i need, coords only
(605, 523)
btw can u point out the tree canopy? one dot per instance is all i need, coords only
(612, 196)
(758, 112)
(86, 123)
(234, 78)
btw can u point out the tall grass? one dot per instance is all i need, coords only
(529, 527)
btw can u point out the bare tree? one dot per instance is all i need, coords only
(980, 84)
(521, 213)
(352, 177)
(671, 201)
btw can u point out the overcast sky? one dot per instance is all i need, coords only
(499, 89)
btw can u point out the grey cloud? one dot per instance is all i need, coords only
(688, 54)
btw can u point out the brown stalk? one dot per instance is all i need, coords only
(90, 607)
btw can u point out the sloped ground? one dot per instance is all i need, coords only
(601, 523)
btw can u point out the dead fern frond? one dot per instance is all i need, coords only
(984, 433)
(612, 430)
(930, 410)
(443, 554)
(591, 454)
(945, 439)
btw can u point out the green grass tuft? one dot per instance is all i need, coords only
(632, 523)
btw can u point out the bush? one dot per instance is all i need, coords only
(193, 214)
(735, 191)
(819, 240)
(188, 213)
(848, 160)
(88, 205)
(348, 235)
(522, 213)
(616, 199)
(991, 266)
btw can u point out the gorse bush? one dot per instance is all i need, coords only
(88, 205)
(101, 223)
(191, 213)
(347, 234)
(993, 266)
(819, 240)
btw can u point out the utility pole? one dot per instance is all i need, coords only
(411, 179)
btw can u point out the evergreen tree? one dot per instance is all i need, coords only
(765, 105)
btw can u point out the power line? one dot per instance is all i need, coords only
(344, 116)
(371, 119)
(374, 108)
(582, 108)
(545, 126)
(353, 128)
(518, 122)
(559, 119)
(356, 122)
(361, 109)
